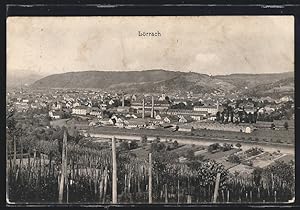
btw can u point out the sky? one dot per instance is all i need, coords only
(212, 45)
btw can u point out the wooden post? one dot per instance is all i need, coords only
(114, 174)
(15, 154)
(189, 199)
(166, 193)
(67, 191)
(178, 191)
(216, 187)
(105, 185)
(63, 168)
(228, 196)
(150, 177)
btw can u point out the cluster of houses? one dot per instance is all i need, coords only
(142, 111)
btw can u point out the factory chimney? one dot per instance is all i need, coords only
(123, 100)
(143, 114)
(152, 108)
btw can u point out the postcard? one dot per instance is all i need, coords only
(150, 110)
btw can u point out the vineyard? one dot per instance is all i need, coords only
(60, 165)
(89, 179)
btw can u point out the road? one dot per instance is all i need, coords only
(205, 141)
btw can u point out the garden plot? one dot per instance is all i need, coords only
(250, 153)
(266, 159)
(286, 158)
(242, 170)
(219, 155)
(187, 148)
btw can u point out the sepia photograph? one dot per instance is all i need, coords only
(108, 110)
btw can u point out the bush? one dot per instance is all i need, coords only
(213, 147)
(226, 147)
(133, 145)
(124, 146)
(238, 145)
(234, 159)
(175, 144)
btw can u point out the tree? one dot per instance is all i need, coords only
(133, 145)
(273, 126)
(238, 145)
(144, 139)
(286, 125)
(218, 116)
(190, 154)
(234, 159)
(226, 147)
(175, 144)
(124, 146)
(257, 172)
(213, 147)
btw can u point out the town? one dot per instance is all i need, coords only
(100, 109)
(242, 134)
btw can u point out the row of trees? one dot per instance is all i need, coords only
(228, 115)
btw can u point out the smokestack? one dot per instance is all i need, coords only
(152, 108)
(123, 101)
(143, 108)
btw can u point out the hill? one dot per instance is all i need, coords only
(169, 81)
(103, 79)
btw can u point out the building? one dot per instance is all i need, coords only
(222, 127)
(21, 107)
(185, 119)
(195, 115)
(150, 105)
(56, 106)
(95, 111)
(107, 121)
(54, 115)
(135, 123)
(209, 109)
(185, 128)
(171, 119)
(248, 130)
(80, 110)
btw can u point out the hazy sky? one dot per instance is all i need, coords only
(207, 44)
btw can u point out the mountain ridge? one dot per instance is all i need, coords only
(159, 80)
